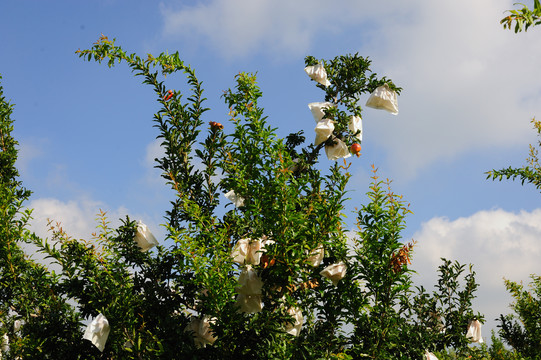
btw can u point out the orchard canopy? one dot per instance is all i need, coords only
(257, 262)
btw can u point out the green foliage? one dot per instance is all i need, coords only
(498, 351)
(530, 173)
(350, 77)
(523, 335)
(151, 299)
(523, 18)
(28, 292)
(522, 330)
(447, 311)
(381, 270)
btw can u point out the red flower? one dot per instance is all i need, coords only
(168, 96)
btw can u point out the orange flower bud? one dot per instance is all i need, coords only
(215, 125)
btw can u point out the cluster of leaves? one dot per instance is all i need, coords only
(523, 18)
(522, 330)
(496, 351)
(523, 335)
(447, 311)
(530, 173)
(350, 77)
(29, 293)
(150, 298)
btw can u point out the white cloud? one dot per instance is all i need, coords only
(468, 84)
(78, 218)
(237, 28)
(498, 243)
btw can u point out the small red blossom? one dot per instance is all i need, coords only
(168, 96)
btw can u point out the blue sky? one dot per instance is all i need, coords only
(470, 90)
